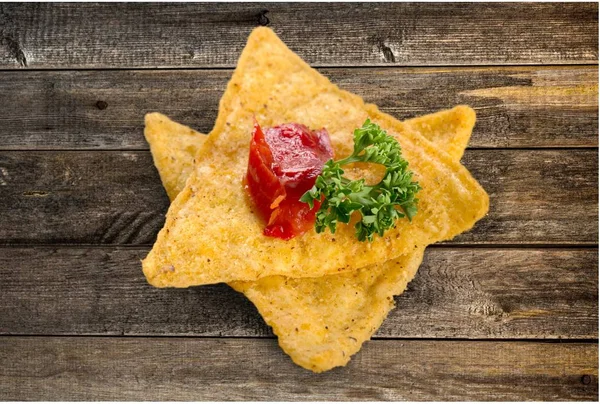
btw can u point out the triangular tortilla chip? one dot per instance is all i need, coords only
(450, 130)
(211, 233)
(173, 148)
(320, 322)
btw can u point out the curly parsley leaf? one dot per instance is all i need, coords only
(380, 205)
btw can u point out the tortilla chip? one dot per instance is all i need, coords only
(320, 322)
(173, 148)
(211, 233)
(450, 130)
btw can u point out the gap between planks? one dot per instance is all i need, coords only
(429, 68)
(484, 148)
(442, 245)
(273, 337)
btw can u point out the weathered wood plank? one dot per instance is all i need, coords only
(516, 107)
(539, 196)
(458, 293)
(253, 369)
(200, 35)
(115, 197)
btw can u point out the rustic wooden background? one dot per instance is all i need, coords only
(506, 311)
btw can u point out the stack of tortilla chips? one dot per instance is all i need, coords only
(323, 294)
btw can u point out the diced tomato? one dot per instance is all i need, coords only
(261, 182)
(284, 163)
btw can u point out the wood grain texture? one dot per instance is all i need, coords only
(516, 106)
(76, 176)
(458, 293)
(233, 369)
(114, 197)
(205, 35)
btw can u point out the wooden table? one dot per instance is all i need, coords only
(506, 311)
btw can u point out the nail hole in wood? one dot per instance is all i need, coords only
(262, 18)
(101, 105)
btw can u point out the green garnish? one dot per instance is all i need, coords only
(380, 205)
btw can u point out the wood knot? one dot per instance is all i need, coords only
(101, 105)
(262, 18)
(387, 53)
(586, 379)
(15, 49)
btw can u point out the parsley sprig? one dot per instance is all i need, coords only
(380, 205)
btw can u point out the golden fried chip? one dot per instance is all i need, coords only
(449, 130)
(173, 148)
(320, 322)
(211, 233)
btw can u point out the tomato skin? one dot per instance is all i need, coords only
(262, 184)
(283, 164)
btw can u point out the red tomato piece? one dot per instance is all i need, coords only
(284, 163)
